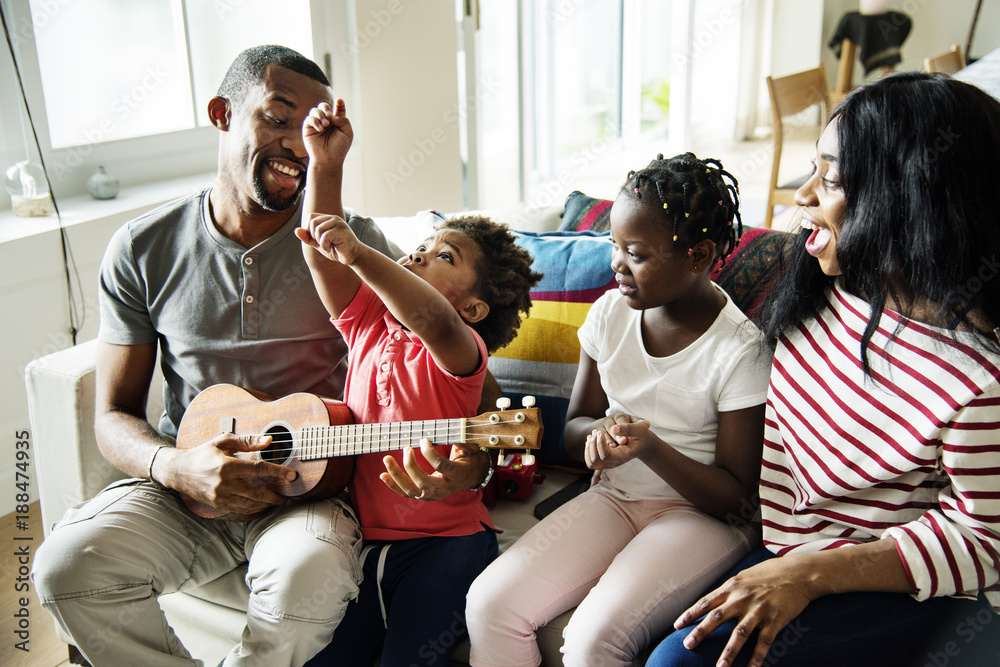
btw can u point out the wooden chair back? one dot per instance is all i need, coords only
(791, 95)
(948, 62)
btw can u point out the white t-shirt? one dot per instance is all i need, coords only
(681, 395)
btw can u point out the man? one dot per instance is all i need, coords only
(217, 281)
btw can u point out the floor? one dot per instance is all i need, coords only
(749, 161)
(44, 648)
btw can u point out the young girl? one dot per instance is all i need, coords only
(667, 409)
(879, 486)
(419, 333)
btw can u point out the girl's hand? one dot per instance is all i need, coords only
(327, 134)
(765, 597)
(332, 236)
(617, 439)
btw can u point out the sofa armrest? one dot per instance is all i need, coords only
(69, 466)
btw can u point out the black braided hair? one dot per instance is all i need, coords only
(698, 198)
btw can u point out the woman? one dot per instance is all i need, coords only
(881, 472)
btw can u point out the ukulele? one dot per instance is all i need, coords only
(317, 436)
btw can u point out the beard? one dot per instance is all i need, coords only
(271, 202)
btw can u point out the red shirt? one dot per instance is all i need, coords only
(391, 377)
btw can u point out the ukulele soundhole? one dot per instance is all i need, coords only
(282, 444)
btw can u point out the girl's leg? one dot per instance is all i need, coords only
(677, 553)
(547, 571)
(854, 629)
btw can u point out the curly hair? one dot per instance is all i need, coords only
(503, 277)
(700, 199)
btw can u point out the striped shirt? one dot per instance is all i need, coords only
(911, 453)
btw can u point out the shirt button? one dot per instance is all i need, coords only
(248, 261)
(250, 299)
(385, 367)
(398, 336)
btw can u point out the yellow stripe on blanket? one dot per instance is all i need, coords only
(548, 333)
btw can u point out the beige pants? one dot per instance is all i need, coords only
(101, 569)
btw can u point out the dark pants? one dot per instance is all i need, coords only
(423, 583)
(857, 630)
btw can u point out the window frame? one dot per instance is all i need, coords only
(149, 158)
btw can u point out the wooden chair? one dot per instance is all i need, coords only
(791, 95)
(948, 62)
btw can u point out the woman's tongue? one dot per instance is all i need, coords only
(817, 241)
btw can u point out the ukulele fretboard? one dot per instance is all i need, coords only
(323, 442)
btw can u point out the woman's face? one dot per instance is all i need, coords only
(822, 202)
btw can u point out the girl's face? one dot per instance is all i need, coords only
(448, 261)
(649, 270)
(822, 202)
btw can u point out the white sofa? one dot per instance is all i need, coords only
(71, 469)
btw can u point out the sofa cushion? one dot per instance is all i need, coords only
(751, 269)
(586, 213)
(542, 359)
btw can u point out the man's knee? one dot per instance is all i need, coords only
(63, 567)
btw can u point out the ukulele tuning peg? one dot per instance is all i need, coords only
(528, 458)
(503, 403)
(528, 401)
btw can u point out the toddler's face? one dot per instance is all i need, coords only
(448, 261)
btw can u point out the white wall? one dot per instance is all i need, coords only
(407, 80)
(936, 26)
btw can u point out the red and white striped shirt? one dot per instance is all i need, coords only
(911, 453)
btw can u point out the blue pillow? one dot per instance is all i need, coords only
(542, 360)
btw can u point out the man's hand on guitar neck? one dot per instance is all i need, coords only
(210, 474)
(464, 470)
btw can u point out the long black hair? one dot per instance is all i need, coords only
(919, 166)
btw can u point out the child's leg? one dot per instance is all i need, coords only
(678, 552)
(425, 582)
(544, 573)
(358, 638)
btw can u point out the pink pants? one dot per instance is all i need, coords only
(630, 568)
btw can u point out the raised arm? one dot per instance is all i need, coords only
(327, 135)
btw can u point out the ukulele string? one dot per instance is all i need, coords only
(452, 435)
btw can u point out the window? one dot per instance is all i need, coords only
(115, 69)
(594, 78)
(125, 84)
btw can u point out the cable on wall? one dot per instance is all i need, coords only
(69, 262)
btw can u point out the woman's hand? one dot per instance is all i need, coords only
(765, 597)
(617, 439)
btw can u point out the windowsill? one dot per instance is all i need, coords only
(131, 201)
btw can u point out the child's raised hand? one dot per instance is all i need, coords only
(327, 134)
(332, 236)
(618, 439)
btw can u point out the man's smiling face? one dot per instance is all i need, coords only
(266, 136)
